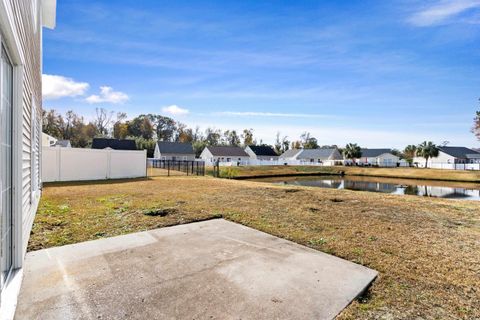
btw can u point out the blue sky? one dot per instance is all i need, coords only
(379, 73)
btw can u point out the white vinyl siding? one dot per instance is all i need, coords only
(31, 91)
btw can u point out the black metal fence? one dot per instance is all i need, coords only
(191, 168)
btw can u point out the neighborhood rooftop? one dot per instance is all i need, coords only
(290, 153)
(263, 150)
(372, 153)
(63, 143)
(116, 144)
(175, 147)
(460, 152)
(225, 151)
(326, 154)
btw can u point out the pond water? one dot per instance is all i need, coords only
(426, 188)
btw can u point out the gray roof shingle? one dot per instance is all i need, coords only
(166, 147)
(63, 143)
(372, 153)
(460, 152)
(322, 154)
(263, 151)
(289, 153)
(227, 151)
(116, 144)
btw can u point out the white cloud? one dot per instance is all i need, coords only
(442, 11)
(56, 87)
(175, 110)
(272, 114)
(108, 95)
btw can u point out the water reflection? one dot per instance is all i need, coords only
(392, 186)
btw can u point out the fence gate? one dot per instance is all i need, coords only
(159, 167)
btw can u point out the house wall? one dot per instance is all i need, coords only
(383, 160)
(169, 156)
(251, 153)
(177, 156)
(206, 155)
(21, 35)
(28, 33)
(442, 158)
(274, 158)
(209, 159)
(76, 164)
(47, 140)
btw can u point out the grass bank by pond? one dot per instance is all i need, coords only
(426, 250)
(249, 172)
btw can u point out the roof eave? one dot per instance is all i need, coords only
(49, 13)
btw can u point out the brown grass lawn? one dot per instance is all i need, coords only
(409, 173)
(426, 250)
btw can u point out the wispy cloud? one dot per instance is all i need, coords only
(442, 11)
(271, 114)
(175, 110)
(56, 87)
(107, 94)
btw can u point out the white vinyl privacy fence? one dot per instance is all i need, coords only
(75, 164)
(450, 166)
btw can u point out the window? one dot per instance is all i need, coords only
(6, 166)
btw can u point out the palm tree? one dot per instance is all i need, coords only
(427, 150)
(409, 152)
(352, 151)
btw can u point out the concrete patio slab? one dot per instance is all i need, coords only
(208, 270)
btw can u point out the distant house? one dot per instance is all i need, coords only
(115, 144)
(48, 140)
(174, 151)
(451, 155)
(213, 154)
(290, 154)
(324, 156)
(63, 144)
(261, 153)
(378, 157)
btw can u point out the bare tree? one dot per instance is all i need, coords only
(103, 120)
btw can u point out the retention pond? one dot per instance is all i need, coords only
(426, 188)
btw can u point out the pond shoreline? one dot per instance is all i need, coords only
(245, 173)
(389, 185)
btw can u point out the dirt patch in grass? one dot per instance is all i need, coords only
(160, 212)
(426, 250)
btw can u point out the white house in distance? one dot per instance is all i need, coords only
(450, 156)
(261, 153)
(48, 140)
(174, 151)
(212, 154)
(323, 156)
(378, 157)
(21, 107)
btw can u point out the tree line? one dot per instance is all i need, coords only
(146, 129)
